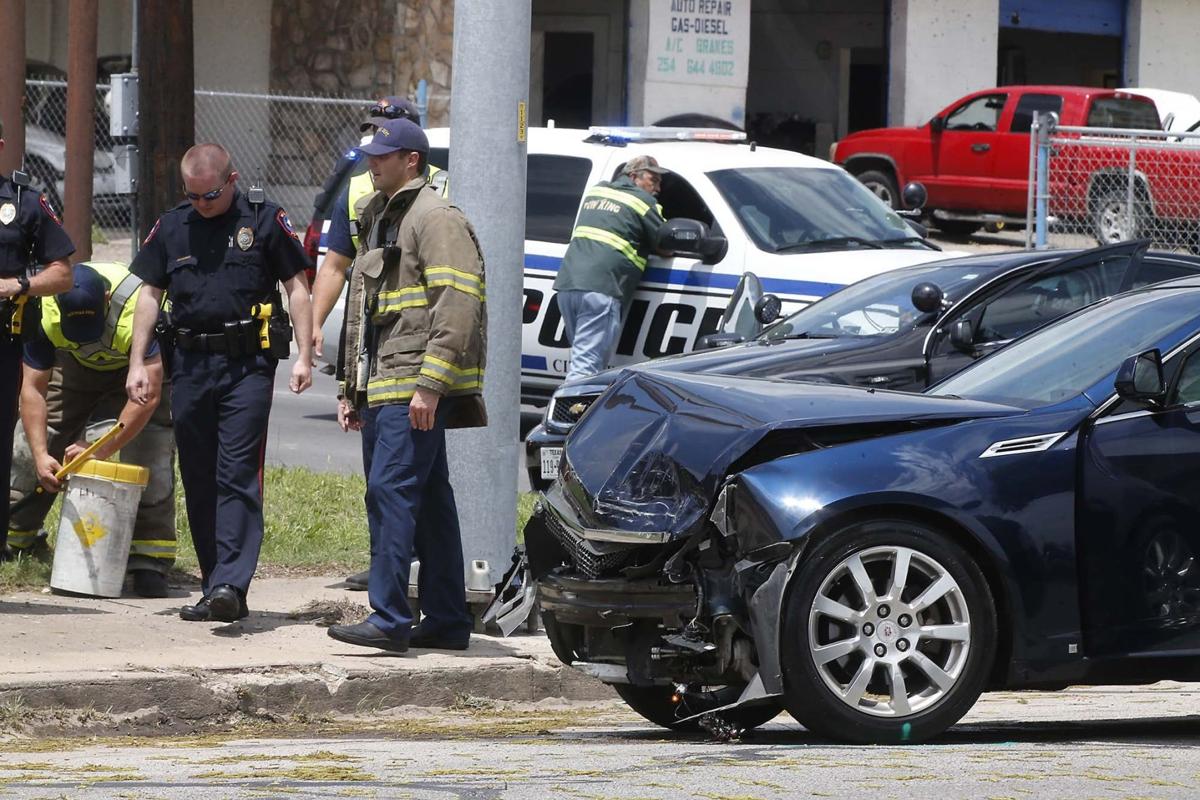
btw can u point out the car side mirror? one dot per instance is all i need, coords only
(937, 125)
(767, 309)
(690, 237)
(714, 341)
(962, 335)
(1141, 378)
(927, 297)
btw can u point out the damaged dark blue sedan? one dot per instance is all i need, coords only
(720, 548)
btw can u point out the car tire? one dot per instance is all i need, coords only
(1110, 222)
(850, 634)
(882, 185)
(956, 227)
(658, 705)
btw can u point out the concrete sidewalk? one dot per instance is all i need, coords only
(135, 657)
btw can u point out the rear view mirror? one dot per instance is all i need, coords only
(690, 237)
(962, 335)
(741, 313)
(927, 297)
(1141, 377)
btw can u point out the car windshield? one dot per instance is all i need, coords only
(878, 306)
(1068, 357)
(791, 209)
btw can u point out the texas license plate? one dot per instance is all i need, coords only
(550, 458)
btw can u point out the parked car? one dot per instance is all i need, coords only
(1177, 111)
(872, 560)
(803, 225)
(973, 157)
(904, 329)
(45, 138)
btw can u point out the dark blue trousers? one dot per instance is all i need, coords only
(411, 512)
(10, 390)
(221, 406)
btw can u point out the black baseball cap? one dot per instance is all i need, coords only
(391, 107)
(396, 134)
(83, 305)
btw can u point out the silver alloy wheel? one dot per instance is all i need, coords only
(882, 191)
(862, 649)
(1113, 222)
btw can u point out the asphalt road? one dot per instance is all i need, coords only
(1094, 743)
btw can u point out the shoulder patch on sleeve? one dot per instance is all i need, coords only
(49, 209)
(282, 218)
(150, 235)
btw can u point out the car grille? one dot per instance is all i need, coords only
(568, 410)
(591, 559)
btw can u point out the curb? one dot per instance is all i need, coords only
(200, 698)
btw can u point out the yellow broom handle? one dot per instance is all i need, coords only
(78, 461)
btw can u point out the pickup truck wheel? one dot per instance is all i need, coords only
(1111, 220)
(881, 185)
(888, 635)
(956, 227)
(664, 708)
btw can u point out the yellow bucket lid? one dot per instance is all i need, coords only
(115, 471)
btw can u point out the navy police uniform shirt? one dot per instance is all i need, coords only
(339, 240)
(30, 232)
(215, 270)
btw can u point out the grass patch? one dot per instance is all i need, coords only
(315, 524)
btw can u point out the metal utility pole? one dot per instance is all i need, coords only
(12, 83)
(166, 97)
(82, 20)
(488, 99)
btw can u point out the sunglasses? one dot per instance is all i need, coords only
(390, 112)
(213, 195)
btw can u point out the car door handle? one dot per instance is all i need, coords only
(980, 148)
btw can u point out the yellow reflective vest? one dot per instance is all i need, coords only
(111, 351)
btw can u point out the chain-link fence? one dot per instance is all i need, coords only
(287, 143)
(1105, 185)
(46, 152)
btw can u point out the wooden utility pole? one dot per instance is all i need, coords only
(82, 16)
(166, 104)
(12, 83)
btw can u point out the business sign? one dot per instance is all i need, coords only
(699, 42)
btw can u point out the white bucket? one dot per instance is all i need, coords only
(96, 527)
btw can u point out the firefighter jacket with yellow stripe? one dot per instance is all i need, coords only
(417, 312)
(111, 351)
(616, 229)
(361, 185)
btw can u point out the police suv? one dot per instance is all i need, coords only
(803, 225)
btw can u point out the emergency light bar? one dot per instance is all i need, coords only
(623, 135)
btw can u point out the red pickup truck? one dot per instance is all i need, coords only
(973, 156)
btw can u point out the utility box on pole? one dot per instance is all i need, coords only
(488, 99)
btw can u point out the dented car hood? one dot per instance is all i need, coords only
(652, 452)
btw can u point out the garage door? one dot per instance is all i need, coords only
(1097, 17)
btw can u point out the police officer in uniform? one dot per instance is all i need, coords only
(219, 257)
(30, 234)
(76, 357)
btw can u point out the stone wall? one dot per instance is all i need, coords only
(424, 35)
(362, 49)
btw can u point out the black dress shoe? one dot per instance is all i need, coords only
(438, 641)
(358, 582)
(223, 604)
(148, 583)
(364, 634)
